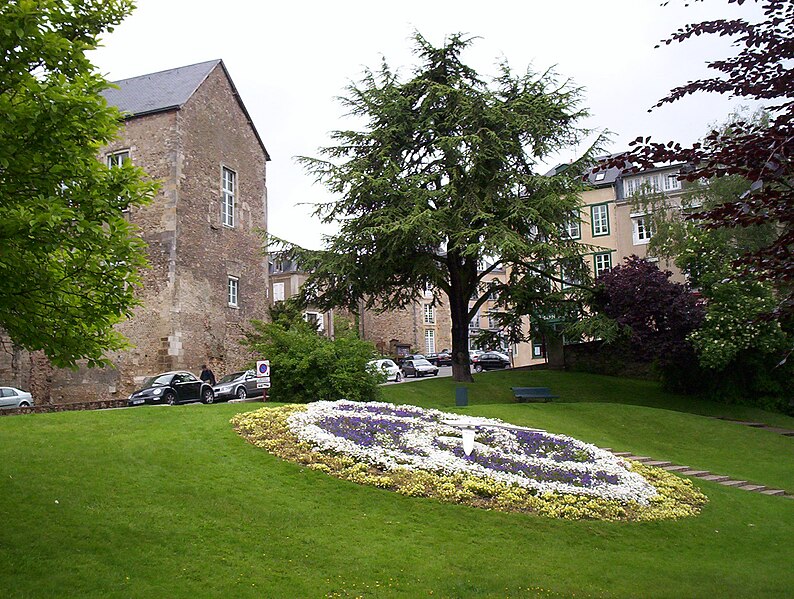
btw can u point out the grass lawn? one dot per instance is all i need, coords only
(169, 502)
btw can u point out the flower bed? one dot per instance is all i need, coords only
(412, 451)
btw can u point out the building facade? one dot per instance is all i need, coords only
(187, 128)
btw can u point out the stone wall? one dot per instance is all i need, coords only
(185, 319)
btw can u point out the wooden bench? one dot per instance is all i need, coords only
(525, 394)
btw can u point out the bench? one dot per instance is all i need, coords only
(525, 394)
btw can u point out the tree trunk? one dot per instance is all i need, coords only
(459, 309)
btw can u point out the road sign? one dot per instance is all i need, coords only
(263, 368)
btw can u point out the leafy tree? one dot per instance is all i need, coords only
(69, 260)
(654, 315)
(741, 349)
(439, 188)
(309, 367)
(759, 152)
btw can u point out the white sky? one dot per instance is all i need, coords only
(289, 60)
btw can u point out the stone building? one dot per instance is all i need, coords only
(188, 128)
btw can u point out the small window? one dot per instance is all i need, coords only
(430, 341)
(474, 323)
(315, 319)
(278, 292)
(671, 182)
(228, 190)
(233, 291)
(600, 219)
(430, 315)
(572, 229)
(642, 230)
(603, 263)
(600, 176)
(118, 158)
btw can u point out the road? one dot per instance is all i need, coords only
(442, 371)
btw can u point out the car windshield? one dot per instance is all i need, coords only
(161, 380)
(422, 363)
(231, 377)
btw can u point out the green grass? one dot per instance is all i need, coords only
(169, 502)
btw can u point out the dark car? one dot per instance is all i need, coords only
(172, 388)
(491, 361)
(403, 359)
(418, 368)
(442, 358)
(239, 385)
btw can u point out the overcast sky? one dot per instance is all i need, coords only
(290, 60)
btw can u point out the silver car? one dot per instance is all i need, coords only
(239, 385)
(11, 397)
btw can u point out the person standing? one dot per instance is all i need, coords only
(207, 375)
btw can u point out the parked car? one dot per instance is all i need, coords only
(387, 367)
(172, 388)
(401, 360)
(418, 368)
(474, 355)
(491, 361)
(238, 385)
(442, 358)
(11, 397)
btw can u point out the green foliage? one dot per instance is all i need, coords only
(69, 260)
(441, 181)
(741, 350)
(308, 367)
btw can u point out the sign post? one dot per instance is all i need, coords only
(263, 377)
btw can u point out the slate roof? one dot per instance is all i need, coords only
(594, 179)
(168, 90)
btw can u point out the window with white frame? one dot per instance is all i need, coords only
(428, 290)
(430, 341)
(599, 215)
(474, 323)
(603, 263)
(315, 319)
(228, 190)
(430, 314)
(642, 229)
(278, 292)
(493, 293)
(118, 158)
(671, 182)
(233, 289)
(573, 226)
(492, 321)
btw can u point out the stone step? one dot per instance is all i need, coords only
(658, 463)
(621, 454)
(639, 458)
(773, 492)
(752, 488)
(609, 449)
(749, 423)
(672, 468)
(697, 473)
(717, 478)
(733, 483)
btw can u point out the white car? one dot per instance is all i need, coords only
(387, 367)
(11, 397)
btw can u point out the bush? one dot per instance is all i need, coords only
(309, 367)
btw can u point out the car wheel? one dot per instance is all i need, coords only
(170, 398)
(207, 396)
(478, 368)
(398, 377)
(24, 404)
(435, 373)
(241, 393)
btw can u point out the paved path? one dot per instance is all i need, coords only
(702, 474)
